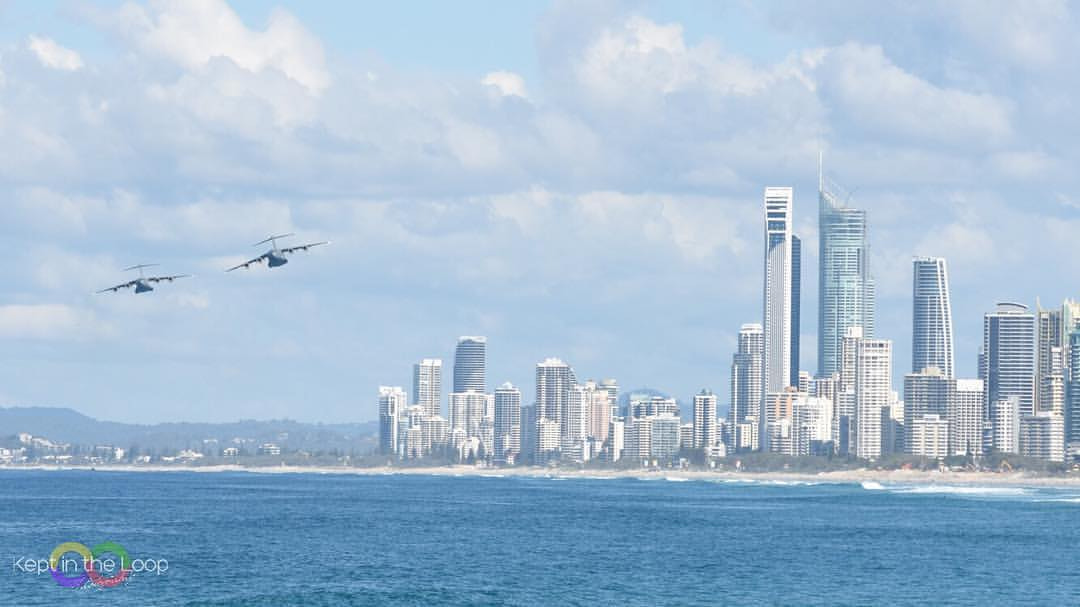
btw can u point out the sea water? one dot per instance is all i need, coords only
(308, 539)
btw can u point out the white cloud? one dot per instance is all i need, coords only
(508, 84)
(882, 99)
(53, 55)
(193, 32)
(644, 58)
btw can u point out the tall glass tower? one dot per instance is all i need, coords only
(846, 289)
(931, 320)
(1072, 405)
(470, 360)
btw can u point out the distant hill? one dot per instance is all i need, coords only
(69, 426)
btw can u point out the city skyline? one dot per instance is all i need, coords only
(589, 191)
(1020, 404)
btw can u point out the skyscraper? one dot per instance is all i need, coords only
(1005, 424)
(554, 379)
(1007, 360)
(507, 423)
(575, 426)
(468, 412)
(1072, 407)
(427, 385)
(873, 390)
(1042, 436)
(1052, 357)
(844, 391)
(966, 417)
(470, 362)
(611, 387)
(925, 393)
(780, 362)
(705, 435)
(1070, 320)
(931, 320)
(796, 308)
(600, 412)
(746, 381)
(392, 402)
(846, 289)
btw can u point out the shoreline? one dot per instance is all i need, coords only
(917, 477)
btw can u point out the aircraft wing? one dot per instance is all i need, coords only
(166, 278)
(303, 247)
(126, 285)
(247, 264)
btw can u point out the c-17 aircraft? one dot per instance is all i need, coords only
(276, 257)
(142, 283)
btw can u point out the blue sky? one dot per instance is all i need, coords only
(571, 179)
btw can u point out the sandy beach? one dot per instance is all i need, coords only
(903, 477)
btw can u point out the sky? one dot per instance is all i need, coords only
(572, 179)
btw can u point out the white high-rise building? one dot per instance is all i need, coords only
(966, 417)
(638, 439)
(554, 380)
(427, 385)
(780, 301)
(929, 436)
(435, 432)
(1052, 355)
(615, 442)
(686, 437)
(575, 427)
(1005, 424)
(470, 364)
(932, 329)
(410, 432)
(392, 402)
(926, 392)
(806, 382)
(844, 386)
(1007, 361)
(1042, 436)
(746, 373)
(547, 441)
(469, 411)
(811, 424)
(873, 392)
(705, 434)
(507, 423)
(664, 443)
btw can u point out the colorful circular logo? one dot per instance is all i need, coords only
(91, 560)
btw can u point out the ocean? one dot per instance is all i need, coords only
(229, 538)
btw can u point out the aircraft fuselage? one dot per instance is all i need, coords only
(141, 286)
(276, 259)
